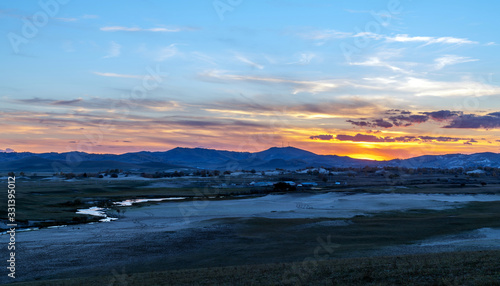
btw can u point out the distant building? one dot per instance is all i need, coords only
(476, 172)
(262, 184)
(309, 184)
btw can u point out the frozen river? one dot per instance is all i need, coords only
(177, 215)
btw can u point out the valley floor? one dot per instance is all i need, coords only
(149, 239)
(346, 237)
(455, 268)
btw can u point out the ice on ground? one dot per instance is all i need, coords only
(301, 205)
(478, 237)
(57, 226)
(135, 201)
(179, 214)
(97, 211)
(24, 229)
(108, 219)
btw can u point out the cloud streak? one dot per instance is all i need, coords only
(404, 38)
(249, 62)
(114, 50)
(109, 74)
(322, 137)
(400, 139)
(298, 86)
(448, 60)
(472, 121)
(452, 119)
(137, 29)
(328, 34)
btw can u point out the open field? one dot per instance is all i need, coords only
(456, 268)
(146, 240)
(52, 200)
(339, 229)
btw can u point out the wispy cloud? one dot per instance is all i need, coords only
(249, 62)
(304, 59)
(329, 109)
(323, 35)
(473, 121)
(109, 74)
(451, 60)
(66, 102)
(401, 139)
(453, 119)
(376, 62)
(418, 86)
(74, 19)
(203, 57)
(167, 52)
(298, 86)
(404, 38)
(114, 50)
(137, 29)
(39, 101)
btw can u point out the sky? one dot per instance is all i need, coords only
(366, 79)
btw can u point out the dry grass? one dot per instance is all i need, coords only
(456, 268)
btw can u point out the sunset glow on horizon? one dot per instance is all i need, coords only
(365, 79)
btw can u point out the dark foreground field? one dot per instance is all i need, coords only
(456, 268)
(235, 245)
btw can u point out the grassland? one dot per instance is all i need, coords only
(238, 247)
(265, 251)
(54, 202)
(457, 268)
(50, 202)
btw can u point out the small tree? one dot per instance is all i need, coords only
(283, 187)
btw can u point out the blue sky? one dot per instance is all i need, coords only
(123, 76)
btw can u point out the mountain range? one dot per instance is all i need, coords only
(289, 158)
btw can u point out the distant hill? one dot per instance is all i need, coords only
(39, 164)
(289, 158)
(449, 161)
